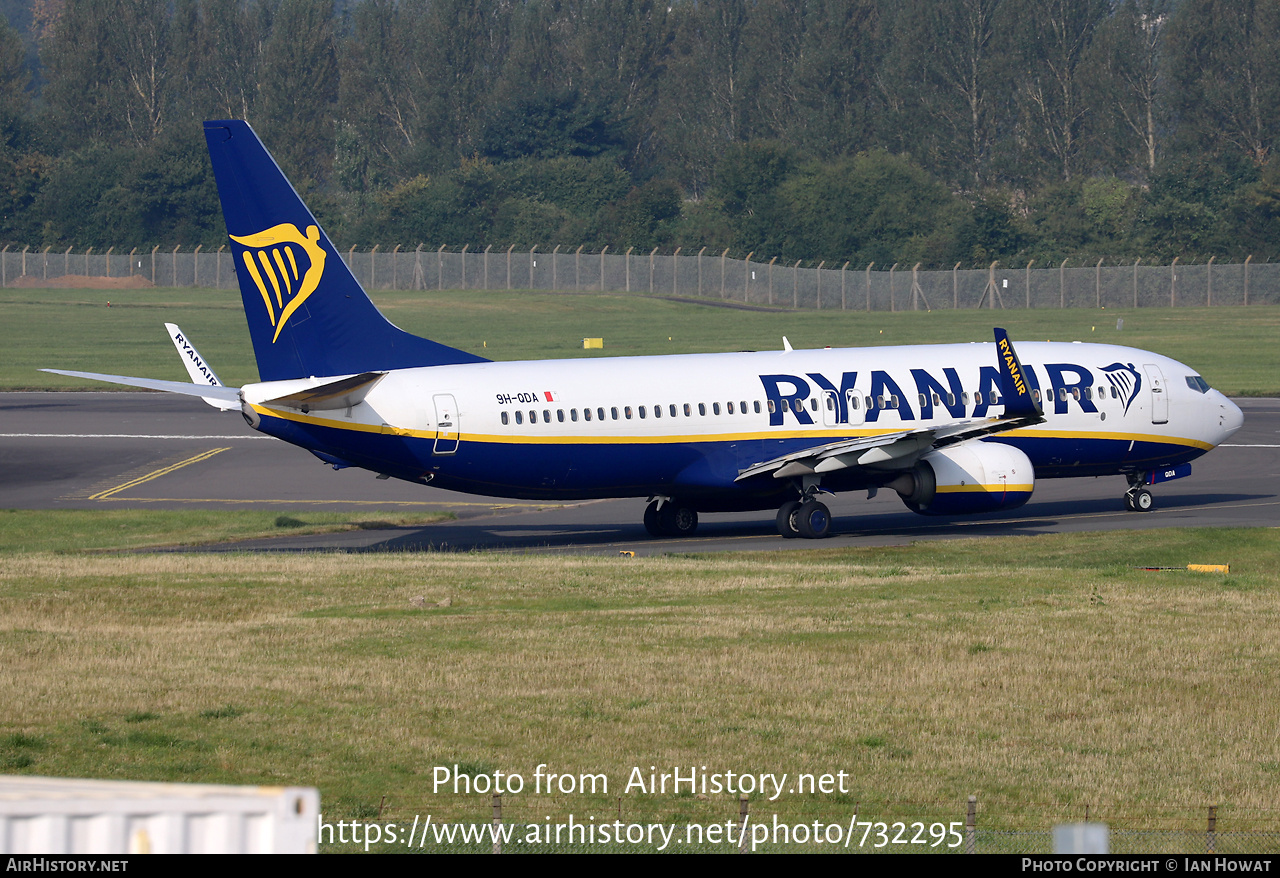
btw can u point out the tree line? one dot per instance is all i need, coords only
(939, 131)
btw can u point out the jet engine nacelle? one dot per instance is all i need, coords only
(974, 477)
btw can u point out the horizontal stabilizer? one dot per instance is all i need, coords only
(340, 394)
(222, 394)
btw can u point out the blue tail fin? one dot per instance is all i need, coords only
(307, 313)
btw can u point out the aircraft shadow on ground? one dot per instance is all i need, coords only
(512, 534)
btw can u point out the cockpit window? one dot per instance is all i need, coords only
(1198, 384)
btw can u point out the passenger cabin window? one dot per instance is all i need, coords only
(702, 409)
(673, 409)
(798, 406)
(586, 414)
(600, 414)
(977, 397)
(831, 403)
(951, 399)
(742, 406)
(923, 401)
(560, 415)
(715, 408)
(657, 411)
(1035, 394)
(504, 419)
(771, 407)
(546, 416)
(573, 415)
(533, 417)
(756, 403)
(936, 400)
(519, 418)
(729, 407)
(687, 411)
(626, 410)
(813, 403)
(614, 412)
(641, 410)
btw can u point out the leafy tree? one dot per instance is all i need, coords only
(299, 89)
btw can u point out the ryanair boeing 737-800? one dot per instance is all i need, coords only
(953, 429)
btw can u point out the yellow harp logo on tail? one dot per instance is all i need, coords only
(271, 257)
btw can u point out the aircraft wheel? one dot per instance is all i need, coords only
(652, 520)
(1143, 500)
(788, 519)
(677, 520)
(814, 520)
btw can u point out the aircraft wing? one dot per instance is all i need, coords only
(901, 449)
(229, 395)
(897, 450)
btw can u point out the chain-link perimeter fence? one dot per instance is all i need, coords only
(823, 286)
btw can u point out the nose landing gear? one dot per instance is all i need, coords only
(1138, 498)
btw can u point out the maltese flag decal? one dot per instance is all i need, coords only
(551, 396)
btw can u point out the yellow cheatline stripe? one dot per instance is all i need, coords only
(104, 495)
(824, 433)
(989, 489)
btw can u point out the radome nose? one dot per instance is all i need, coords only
(1230, 418)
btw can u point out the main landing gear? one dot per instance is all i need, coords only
(806, 518)
(1138, 498)
(665, 517)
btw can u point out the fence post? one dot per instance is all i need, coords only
(626, 266)
(217, 268)
(795, 285)
(971, 826)
(1173, 281)
(955, 287)
(440, 269)
(1097, 284)
(373, 267)
(1062, 285)
(893, 305)
(1135, 281)
(651, 255)
(820, 264)
(195, 271)
(577, 268)
(86, 262)
(153, 262)
(533, 263)
(602, 252)
(675, 272)
(46, 261)
(497, 823)
(109, 251)
(173, 264)
(4, 265)
(1208, 298)
(486, 265)
(869, 264)
(842, 276)
(464, 265)
(50, 247)
(723, 257)
(700, 252)
(771, 261)
(555, 274)
(509, 249)
(1246, 278)
(1028, 283)
(418, 283)
(395, 268)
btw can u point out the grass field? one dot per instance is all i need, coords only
(1234, 348)
(1041, 674)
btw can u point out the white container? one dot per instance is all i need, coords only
(45, 815)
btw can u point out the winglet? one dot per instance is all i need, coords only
(1014, 388)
